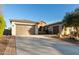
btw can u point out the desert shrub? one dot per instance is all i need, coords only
(2, 25)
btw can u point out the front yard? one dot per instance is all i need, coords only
(7, 45)
(36, 45)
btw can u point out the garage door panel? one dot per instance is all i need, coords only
(25, 30)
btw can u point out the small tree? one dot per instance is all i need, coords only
(72, 19)
(2, 25)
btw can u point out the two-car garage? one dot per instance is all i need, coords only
(22, 30)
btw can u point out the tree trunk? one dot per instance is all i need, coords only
(77, 31)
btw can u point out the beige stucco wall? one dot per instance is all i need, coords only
(41, 24)
(13, 29)
(66, 31)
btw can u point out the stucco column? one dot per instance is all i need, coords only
(13, 29)
(36, 30)
(60, 28)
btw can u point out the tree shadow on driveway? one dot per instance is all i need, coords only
(66, 48)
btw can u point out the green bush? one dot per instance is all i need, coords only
(2, 25)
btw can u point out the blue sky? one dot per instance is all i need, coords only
(50, 13)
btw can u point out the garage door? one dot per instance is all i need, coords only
(23, 30)
(55, 29)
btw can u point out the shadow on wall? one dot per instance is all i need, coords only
(32, 30)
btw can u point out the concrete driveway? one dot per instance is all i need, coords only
(40, 45)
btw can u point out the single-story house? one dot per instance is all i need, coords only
(24, 27)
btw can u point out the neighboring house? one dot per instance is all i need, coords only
(25, 27)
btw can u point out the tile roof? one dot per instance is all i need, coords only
(55, 23)
(22, 20)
